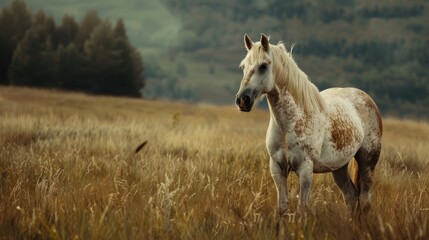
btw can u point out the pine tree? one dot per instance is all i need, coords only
(119, 30)
(131, 58)
(98, 49)
(128, 74)
(67, 31)
(115, 64)
(14, 22)
(33, 62)
(72, 69)
(89, 23)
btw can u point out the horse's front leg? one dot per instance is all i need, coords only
(278, 164)
(279, 173)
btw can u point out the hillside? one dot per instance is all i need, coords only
(68, 170)
(381, 47)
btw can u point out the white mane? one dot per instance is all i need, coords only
(290, 77)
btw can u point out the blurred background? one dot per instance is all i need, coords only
(189, 50)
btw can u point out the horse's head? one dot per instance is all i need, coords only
(257, 73)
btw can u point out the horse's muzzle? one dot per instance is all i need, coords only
(244, 102)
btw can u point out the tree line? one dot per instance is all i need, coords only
(92, 55)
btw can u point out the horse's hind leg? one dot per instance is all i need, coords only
(366, 161)
(343, 181)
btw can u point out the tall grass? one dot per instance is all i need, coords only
(68, 170)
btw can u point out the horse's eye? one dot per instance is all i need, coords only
(263, 67)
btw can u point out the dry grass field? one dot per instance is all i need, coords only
(68, 170)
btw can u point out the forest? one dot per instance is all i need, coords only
(91, 56)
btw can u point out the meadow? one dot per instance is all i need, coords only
(69, 169)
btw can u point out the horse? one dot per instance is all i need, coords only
(323, 131)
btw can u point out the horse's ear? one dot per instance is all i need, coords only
(248, 42)
(264, 42)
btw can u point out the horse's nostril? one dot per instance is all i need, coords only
(246, 100)
(243, 101)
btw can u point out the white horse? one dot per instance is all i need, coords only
(323, 131)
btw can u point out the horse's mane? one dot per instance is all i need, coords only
(289, 76)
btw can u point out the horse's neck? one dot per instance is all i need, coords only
(283, 109)
(282, 104)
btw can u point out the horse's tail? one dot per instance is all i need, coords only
(354, 169)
